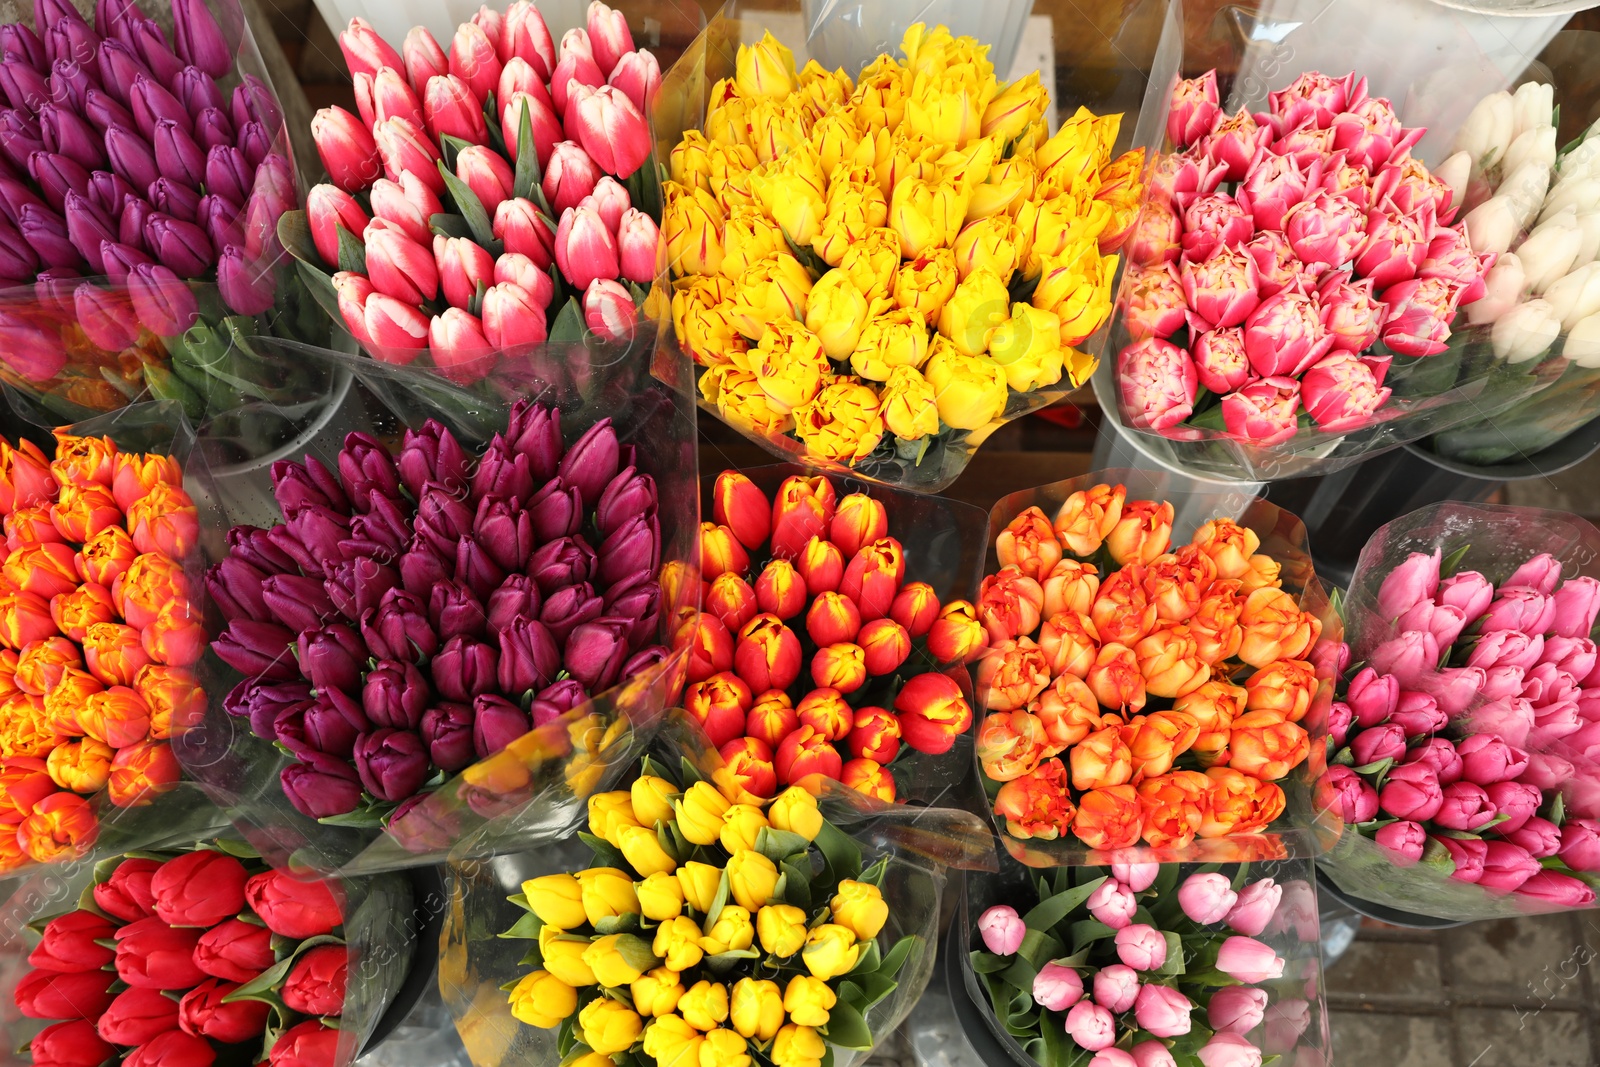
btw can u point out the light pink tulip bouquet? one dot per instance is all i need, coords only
(493, 196)
(1294, 273)
(1465, 748)
(1146, 965)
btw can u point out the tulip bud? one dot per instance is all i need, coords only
(347, 149)
(406, 149)
(609, 311)
(638, 75)
(569, 176)
(475, 61)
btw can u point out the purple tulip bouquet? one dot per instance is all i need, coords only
(1146, 965)
(436, 636)
(491, 198)
(142, 174)
(1465, 747)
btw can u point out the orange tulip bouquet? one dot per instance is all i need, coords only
(97, 638)
(822, 649)
(1150, 684)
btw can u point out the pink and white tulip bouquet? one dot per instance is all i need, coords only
(479, 187)
(1466, 746)
(1146, 965)
(1287, 267)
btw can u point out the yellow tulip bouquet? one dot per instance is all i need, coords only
(713, 930)
(883, 270)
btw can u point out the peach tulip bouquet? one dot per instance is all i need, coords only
(1150, 681)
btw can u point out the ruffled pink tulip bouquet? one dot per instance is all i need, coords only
(1146, 965)
(1465, 747)
(491, 197)
(142, 174)
(1294, 274)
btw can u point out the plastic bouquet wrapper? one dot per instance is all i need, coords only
(1537, 208)
(691, 924)
(1140, 965)
(193, 955)
(100, 631)
(1464, 750)
(451, 647)
(492, 200)
(1150, 680)
(1298, 277)
(829, 644)
(875, 270)
(143, 169)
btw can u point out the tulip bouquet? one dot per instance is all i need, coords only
(178, 959)
(1538, 210)
(712, 931)
(1466, 749)
(98, 638)
(812, 639)
(876, 273)
(477, 189)
(1295, 275)
(1138, 688)
(417, 612)
(1148, 966)
(141, 181)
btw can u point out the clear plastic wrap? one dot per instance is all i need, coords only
(179, 813)
(1493, 541)
(1303, 830)
(82, 345)
(525, 794)
(1263, 48)
(379, 930)
(476, 961)
(1293, 1024)
(851, 34)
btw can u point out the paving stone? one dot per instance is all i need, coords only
(1533, 961)
(1361, 1037)
(1387, 970)
(1494, 1038)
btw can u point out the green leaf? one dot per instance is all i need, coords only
(875, 985)
(1047, 913)
(569, 325)
(797, 885)
(625, 923)
(871, 957)
(450, 148)
(605, 853)
(896, 957)
(1038, 947)
(840, 851)
(987, 962)
(1448, 565)
(526, 927)
(779, 845)
(847, 1028)
(352, 250)
(723, 962)
(718, 902)
(1020, 974)
(469, 207)
(874, 875)
(1240, 876)
(1088, 931)
(526, 178)
(1173, 965)
(363, 818)
(447, 225)
(521, 901)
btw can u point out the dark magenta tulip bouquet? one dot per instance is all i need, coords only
(417, 612)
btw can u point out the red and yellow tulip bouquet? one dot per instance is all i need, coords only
(876, 271)
(1137, 689)
(97, 637)
(814, 655)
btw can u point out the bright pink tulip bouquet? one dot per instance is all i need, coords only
(1146, 965)
(1295, 283)
(1465, 746)
(494, 196)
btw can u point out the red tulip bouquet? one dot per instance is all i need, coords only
(99, 635)
(1151, 684)
(1296, 284)
(435, 637)
(491, 198)
(1140, 965)
(1464, 752)
(142, 174)
(823, 648)
(179, 959)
